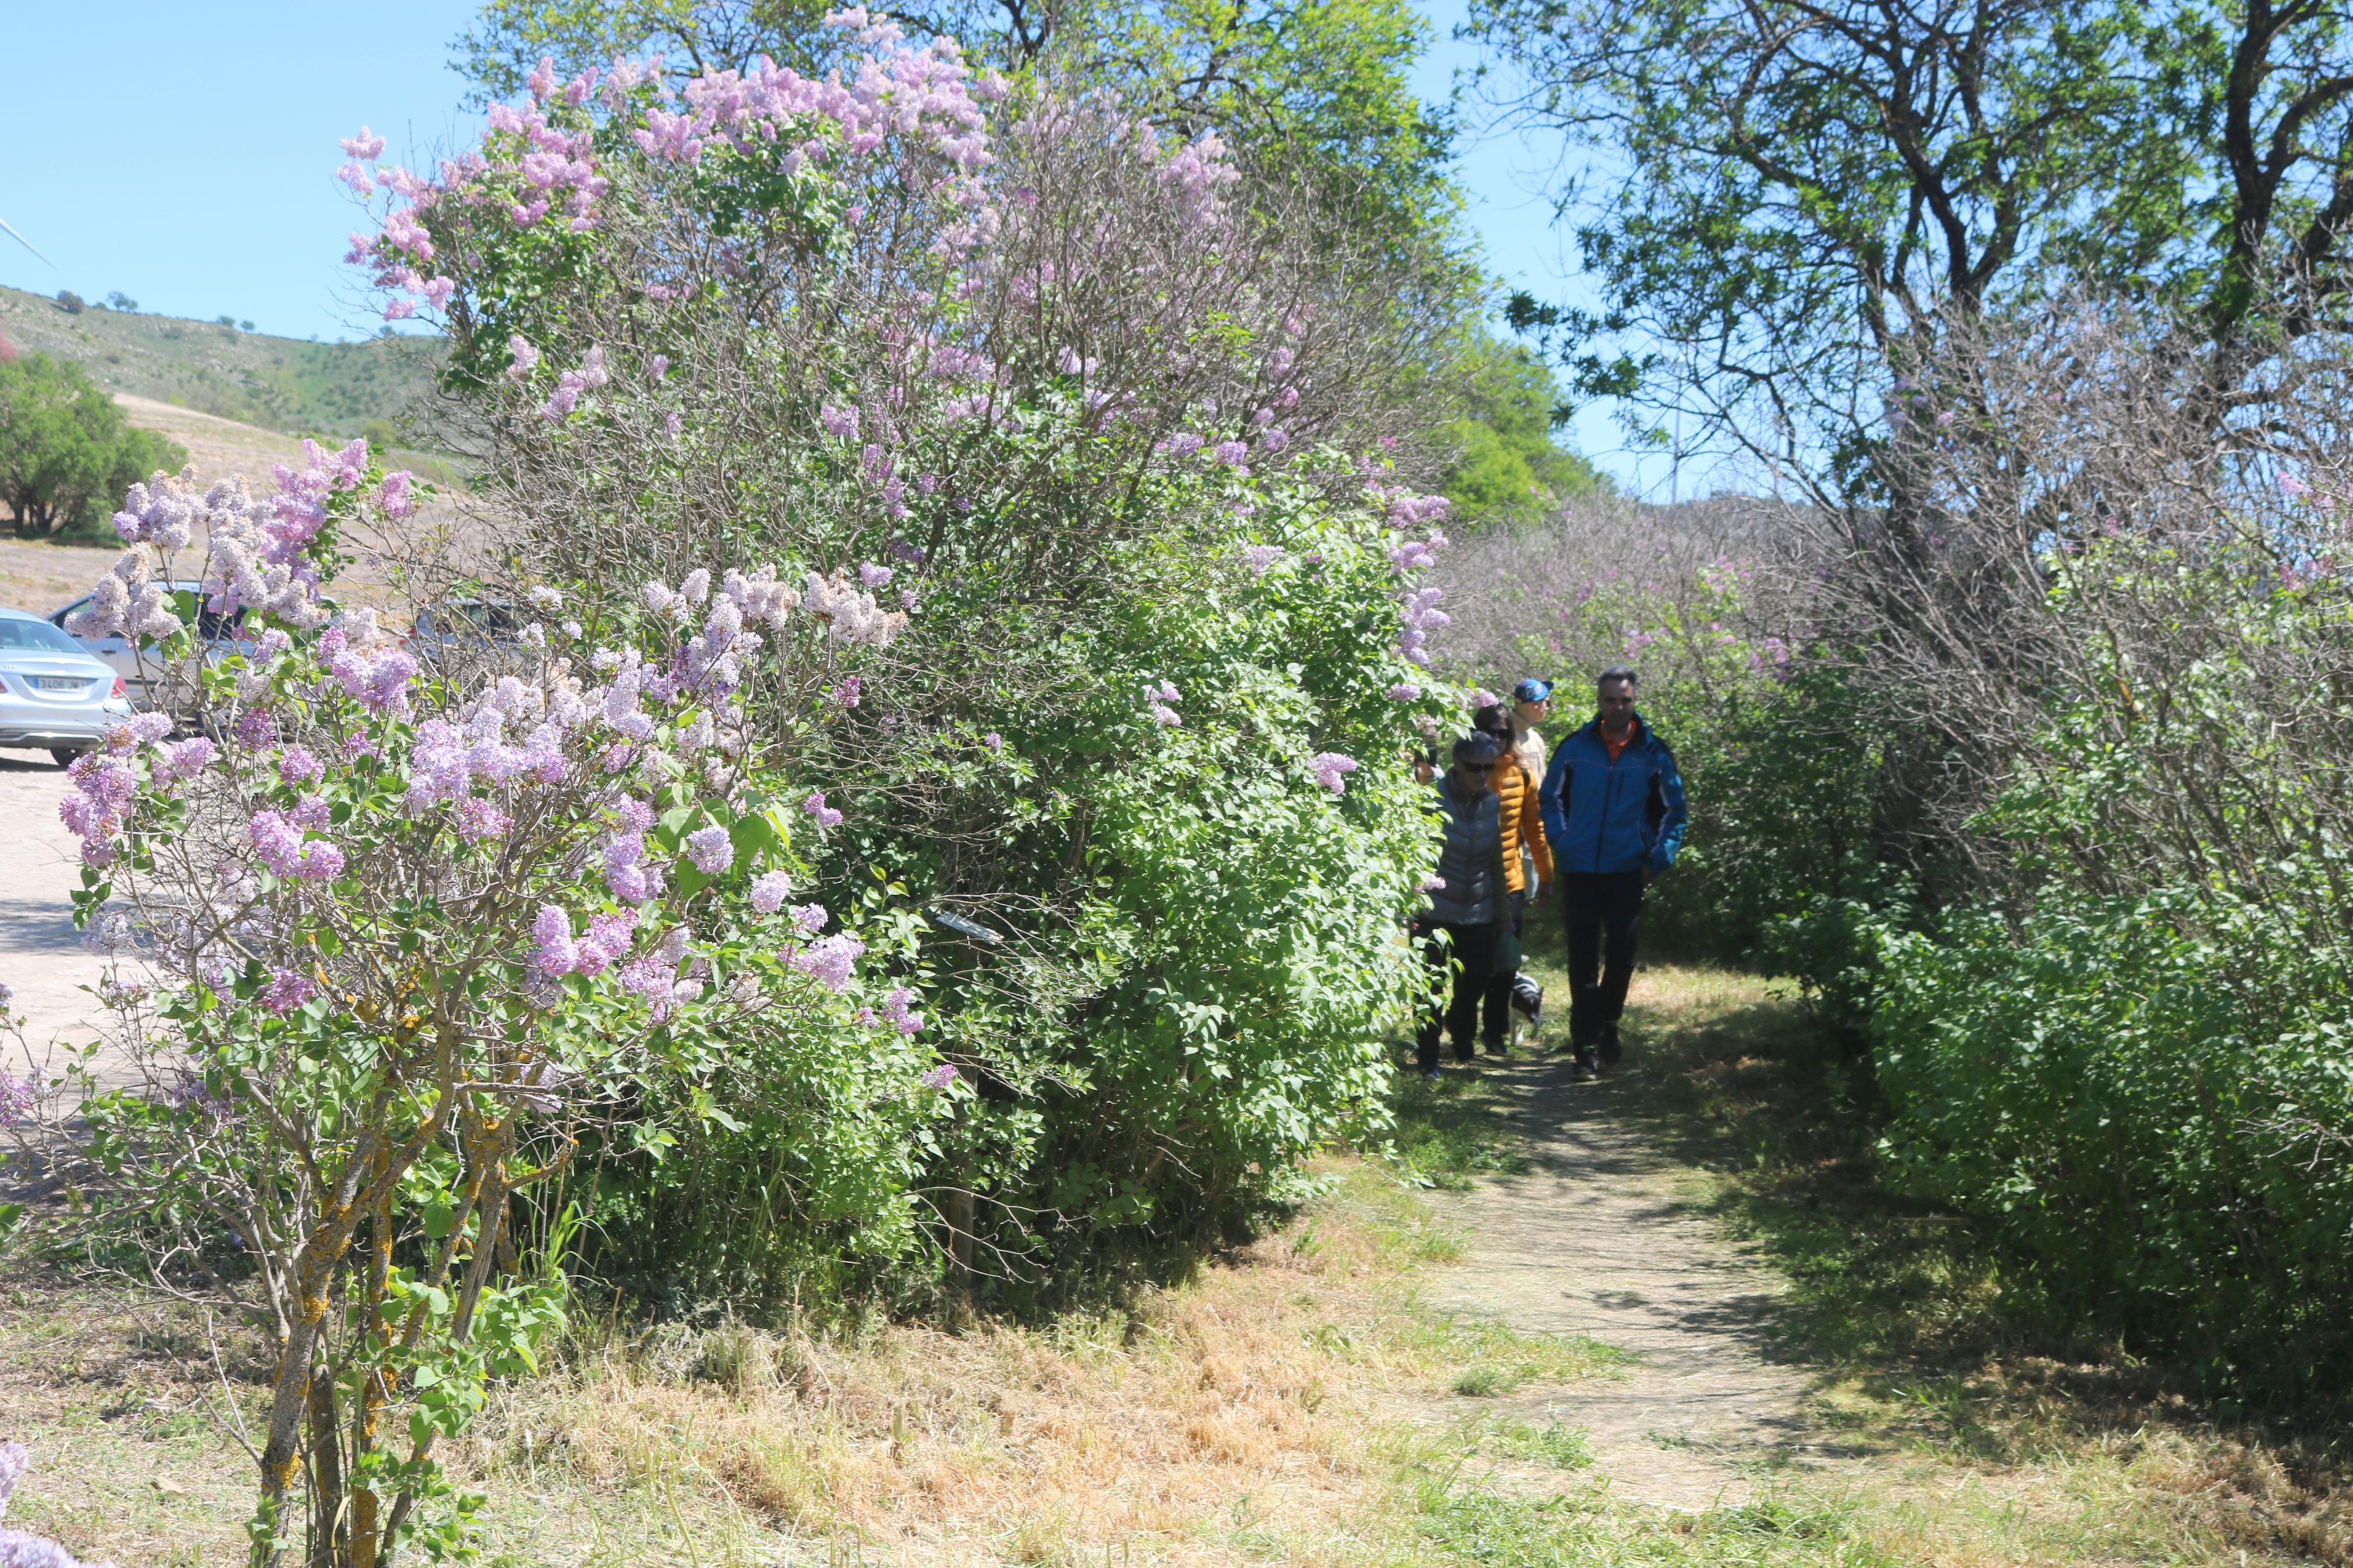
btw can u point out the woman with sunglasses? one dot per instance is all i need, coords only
(1459, 932)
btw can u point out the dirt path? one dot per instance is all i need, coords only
(1594, 1240)
(41, 955)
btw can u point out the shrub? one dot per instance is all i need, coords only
(398, 939)
(1079, 403)
(65, 451)
(2147, 1098)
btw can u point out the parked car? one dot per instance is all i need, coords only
(54, 697)
(221, 634)
(457, 628)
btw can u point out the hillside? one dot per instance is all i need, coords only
(279, 383)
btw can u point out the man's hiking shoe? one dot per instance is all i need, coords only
(1498, 1050)
(1430, 1073)
(1612, 1053)
(1587, 1069)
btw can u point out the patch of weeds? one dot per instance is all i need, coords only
(1476, 1524)
(1452, 1130)
(1485, 1382)
(1562, 1448)
(1493, 1360)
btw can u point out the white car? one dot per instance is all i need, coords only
(54, 697)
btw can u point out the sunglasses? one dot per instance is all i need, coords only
(1476, 768)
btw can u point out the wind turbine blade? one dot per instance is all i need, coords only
(23, 241)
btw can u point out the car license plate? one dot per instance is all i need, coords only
(59, 682)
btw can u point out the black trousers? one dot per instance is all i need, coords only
(1600, 910)
(1471, 956)
(1495, 1016)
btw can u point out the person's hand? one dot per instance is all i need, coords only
(1544, 893)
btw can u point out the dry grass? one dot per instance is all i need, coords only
(1293, 1403)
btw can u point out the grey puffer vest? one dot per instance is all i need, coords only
(1472, 864)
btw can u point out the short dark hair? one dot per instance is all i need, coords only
(1491, 719)
(1475, 747)
(1624, 672)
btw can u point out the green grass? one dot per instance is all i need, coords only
(1451, 1132)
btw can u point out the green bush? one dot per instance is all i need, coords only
(67, 453)
(2148, 1099)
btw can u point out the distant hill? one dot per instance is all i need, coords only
(279, 383)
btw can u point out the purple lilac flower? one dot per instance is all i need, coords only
(895, 1009)
(1261, 557)
(841, 422)
(479, 819)
(1330, 770)
(846, 694)
(829, 961)
(993, 741)
(826, 815)
(298, 767)
(939, 1077)
(608, 937)
(287, 990)
(810, 917)
(1232, 454)
(710, 849)
(874, 576)
(17, 1096)
(1168, 717)
(769, 890)
(556, 952)
(278, 840)
(1405, 692)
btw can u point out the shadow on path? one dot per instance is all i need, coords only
(1595, 1238)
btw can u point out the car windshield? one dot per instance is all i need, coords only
(39, 636)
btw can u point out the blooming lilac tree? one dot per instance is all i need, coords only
(1135, 452)
(390, 943)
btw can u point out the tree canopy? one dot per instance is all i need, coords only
(1787, 197)
(65, 449)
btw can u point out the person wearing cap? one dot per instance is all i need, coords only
(1531, 706)
(1614, 811)
(1527, 865)
(1458, 933)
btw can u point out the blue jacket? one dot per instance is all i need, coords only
(1613, 816)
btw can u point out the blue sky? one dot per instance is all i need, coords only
(198, 179)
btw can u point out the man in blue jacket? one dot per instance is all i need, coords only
(1613, 808)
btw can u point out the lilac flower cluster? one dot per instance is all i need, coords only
(939, 1077)
(16, 1098)
(571, 383)
(1160, 694)
(710, 849)
(655, 976)
(104, 788)
(558, 953)
(896, 1011)
(373, 670)
(1260, 558)
(1421, 617)
(826, 815)
(629, 875)
(829, 961)
(850, 614)
(769, 890)
(287, 990)
(1332, 769)
(278, 837)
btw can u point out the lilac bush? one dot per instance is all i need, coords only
(1128, 443)
(391, 943)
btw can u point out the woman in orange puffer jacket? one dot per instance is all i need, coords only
(1527, 865)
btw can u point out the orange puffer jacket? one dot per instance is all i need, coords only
(1523, 824)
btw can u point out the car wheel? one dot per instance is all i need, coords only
(65, 759)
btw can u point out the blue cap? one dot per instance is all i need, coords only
(1532, 690)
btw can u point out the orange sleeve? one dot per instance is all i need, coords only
(1534, 830)
(1512, 790)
